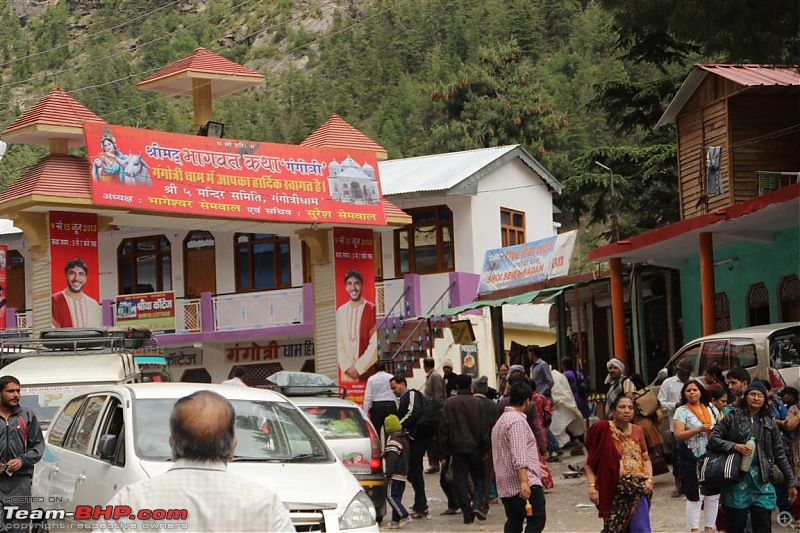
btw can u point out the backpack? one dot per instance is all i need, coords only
(430, 416)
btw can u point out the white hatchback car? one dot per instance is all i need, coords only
(114, 435)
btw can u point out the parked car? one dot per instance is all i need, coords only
(343, 425)
(114, 435)
(770, 352)
(758, 349)
(353, 439)
(67, 361)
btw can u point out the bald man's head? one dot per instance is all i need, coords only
(201, 428)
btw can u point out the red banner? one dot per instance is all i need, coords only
(3, 287)
(74, 277)
(159, 171)
(356, 322)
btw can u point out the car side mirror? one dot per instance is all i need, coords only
(107, 446)
(661, 376)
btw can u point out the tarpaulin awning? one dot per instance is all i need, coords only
(547, 295)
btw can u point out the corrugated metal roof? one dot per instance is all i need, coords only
(744, 75)
(7, 228)
(336, 133)
(54, 175)
(444, 172)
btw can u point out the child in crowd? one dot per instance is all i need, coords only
(396, 455)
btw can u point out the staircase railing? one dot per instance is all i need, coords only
(413, 331)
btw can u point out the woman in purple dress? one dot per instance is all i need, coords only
(577, 384)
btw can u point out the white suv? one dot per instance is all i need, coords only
(114, 435)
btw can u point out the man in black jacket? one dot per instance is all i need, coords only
(409, 412)
(21, 447)
(464, 436)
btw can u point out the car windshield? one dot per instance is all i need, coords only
(265, 431)
(337, 422)
(784, 348)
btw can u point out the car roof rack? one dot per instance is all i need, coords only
(74, 341)
(304, 384)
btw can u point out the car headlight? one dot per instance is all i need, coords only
(360, 512)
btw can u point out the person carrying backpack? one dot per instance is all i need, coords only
(21, 447)
(410, 413)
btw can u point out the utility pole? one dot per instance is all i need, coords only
(613, 202)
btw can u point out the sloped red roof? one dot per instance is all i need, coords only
(56, 110)
(225, 76)
(55, 175)
(744, 75)
(750, 75)
(336, 133)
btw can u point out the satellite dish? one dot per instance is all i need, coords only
(3, 147)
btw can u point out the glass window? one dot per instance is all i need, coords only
(263, 261)
(426, 245)
(265, 431)
(715, 351)
(82, 432)
(743, 353)
(512, 227)
(337, 422)
(689, 354)
(144, 265)
(57, 430)
(784, 348)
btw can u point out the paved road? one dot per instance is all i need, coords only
(568, 507)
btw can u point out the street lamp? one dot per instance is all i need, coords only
(614, 219)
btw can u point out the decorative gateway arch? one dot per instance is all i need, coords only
(132, 175)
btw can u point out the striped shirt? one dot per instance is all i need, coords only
(513, 448)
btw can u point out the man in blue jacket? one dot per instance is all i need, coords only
(21, 447)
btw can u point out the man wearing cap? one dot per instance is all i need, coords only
(669, 396)
(618, 383)
(449, 377)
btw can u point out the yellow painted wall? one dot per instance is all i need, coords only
(527, 336)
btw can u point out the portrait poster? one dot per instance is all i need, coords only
(3, 286)
(356, 320)
(177, 173)
(153, 310)
(74, 270)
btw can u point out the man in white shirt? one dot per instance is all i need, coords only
(203, 442)
(236, 380)
(669, 396)
(379, 400)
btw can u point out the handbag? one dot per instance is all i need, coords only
(775, 475)
(715, 469)
(645, 402)
(658, 461)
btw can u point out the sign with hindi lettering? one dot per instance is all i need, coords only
(160, 171)
(515, 266)
(155, 310)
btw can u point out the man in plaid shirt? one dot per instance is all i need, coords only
(516, 464)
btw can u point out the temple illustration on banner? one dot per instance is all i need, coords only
(352, 183)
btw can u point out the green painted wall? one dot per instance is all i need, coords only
(753, 263)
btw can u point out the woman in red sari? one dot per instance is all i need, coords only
(619, 471)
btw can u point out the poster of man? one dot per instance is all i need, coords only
(356, 329)
(356, 322)
(72, 308)
(74, 278)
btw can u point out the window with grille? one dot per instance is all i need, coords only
(263, 262)
(426, 245)
(757, 305)
(789, 291)
(512, 227)
(722, 312)
(144, 265)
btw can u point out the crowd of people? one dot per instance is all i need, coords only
(488, 446)
(494, 446)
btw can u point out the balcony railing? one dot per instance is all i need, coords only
(258, 310)
(188, 318)
(387, 292)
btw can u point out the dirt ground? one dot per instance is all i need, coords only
(568, 507)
